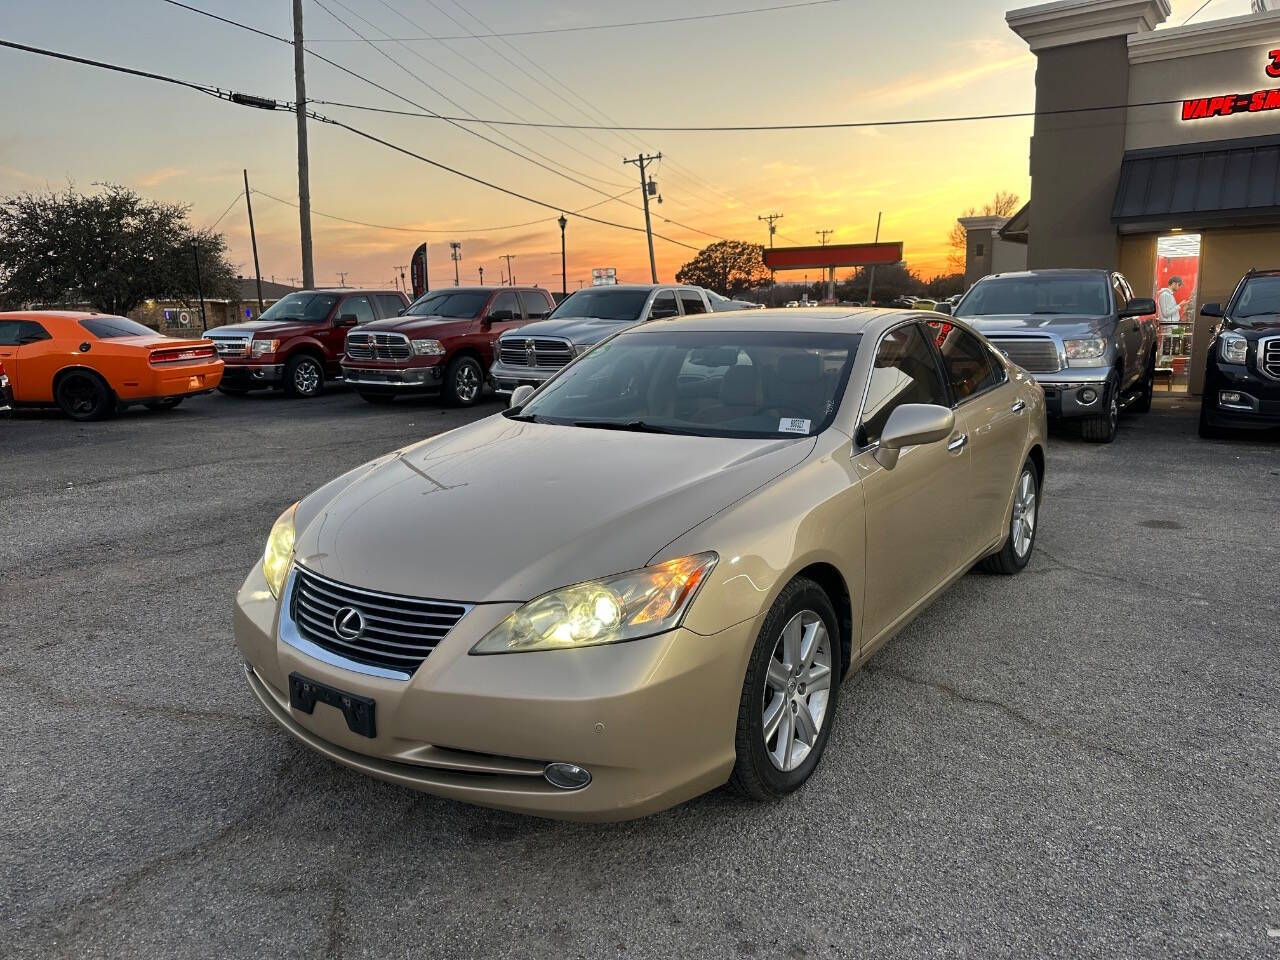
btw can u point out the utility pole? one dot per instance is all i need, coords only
(199, 286)
(830, 271)
(772, 218)
(871, 279)
(564, 277)
(253, 238)
(511, 273)
(648, 187)
(455, 254)
(400, 270)
(304, 162)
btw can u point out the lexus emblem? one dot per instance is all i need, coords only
(348, 623)
(531, 353)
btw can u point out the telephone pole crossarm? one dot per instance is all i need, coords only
(646, 187)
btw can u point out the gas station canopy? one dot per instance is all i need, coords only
(833, 255)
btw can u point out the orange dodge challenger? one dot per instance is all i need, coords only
(93, 364)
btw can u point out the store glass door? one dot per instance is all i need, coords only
(1177, 284)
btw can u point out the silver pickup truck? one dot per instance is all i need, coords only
(1087, 340)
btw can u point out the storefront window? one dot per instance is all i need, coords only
(1176, 284)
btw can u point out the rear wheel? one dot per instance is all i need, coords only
(303, 376)
(378, 398)
(83, 395)
(464, 381)
(1102, 428)
(1021, 538)
(168, 403)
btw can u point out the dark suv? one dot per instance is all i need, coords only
(1242, 375)
(297, 343)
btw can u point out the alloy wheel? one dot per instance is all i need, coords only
(1024, 514)
(80, 394)
(466, 383)
(306, 377)
(797, 689)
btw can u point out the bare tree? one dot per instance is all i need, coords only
(1003, 204)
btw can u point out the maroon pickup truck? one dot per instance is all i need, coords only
(442, 344)
(296, 345)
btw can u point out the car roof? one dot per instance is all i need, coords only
(341, 290)
(1055, 272)
(56, 314)
(477, 288)
(640, 286)
(791, 319)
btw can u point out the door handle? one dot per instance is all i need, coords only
(1018, 406)
(958, 443)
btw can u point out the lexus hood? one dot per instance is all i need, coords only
(581, 330)
(502, 510)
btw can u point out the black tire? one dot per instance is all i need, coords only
(464, 381)
(234, 391)
(755, 774)
(1010, 559)
(168, 403)
(83, 395)
(304, 376)
(382, 399)
(1207, 429)
(1102, 428)
(1148, 387)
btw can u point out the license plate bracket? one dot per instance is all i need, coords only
(305, 693)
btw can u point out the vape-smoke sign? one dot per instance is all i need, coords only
(1230, 104)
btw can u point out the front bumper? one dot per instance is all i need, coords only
(1255, 404)
(398, 380)
(653, 720)
(506, 378)
(1067, 393)
(253, 375)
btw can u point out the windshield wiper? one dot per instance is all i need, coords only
(522, 417)
(635, 426)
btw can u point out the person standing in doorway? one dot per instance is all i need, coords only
(1169, 309)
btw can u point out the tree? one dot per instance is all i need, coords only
(944, 285)
(727, 266)
(111, 249)
(1003, 204)
(892, 281)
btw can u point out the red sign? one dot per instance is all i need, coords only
(418, 269)
(832, 255)
(1202, 108)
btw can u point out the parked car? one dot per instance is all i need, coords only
(1242, 375)
(93, 364)
(715, 521)
(1089, 342)
(721, 303)
(297, 343)
(537, 351)
(6, 392)
(444, 343)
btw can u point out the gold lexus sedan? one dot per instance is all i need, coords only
(650, 576)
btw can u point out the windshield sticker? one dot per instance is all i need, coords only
(793, 425)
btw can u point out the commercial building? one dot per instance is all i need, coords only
(1155, 152)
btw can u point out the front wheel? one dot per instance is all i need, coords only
(1102, 428)
(463, 381)
(1142, 404)
(83, 395)
(1021, 537)
(789, 695)
(303, 376)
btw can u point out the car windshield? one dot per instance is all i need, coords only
(1259, 297)
(108, 328)
(308, 307)
(703, 383)
(1085, 296)
(602, 305)
(456, 304)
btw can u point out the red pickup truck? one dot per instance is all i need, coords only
(296, 345)
(443, 343)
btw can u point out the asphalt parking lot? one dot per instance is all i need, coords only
(1081, 761)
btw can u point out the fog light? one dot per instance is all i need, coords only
(566, 776)
(1087, 396)
(1235, 399)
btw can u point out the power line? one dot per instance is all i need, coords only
(234, 201)
(1196, 13)
(614, 26)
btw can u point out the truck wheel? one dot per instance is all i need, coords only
(463, 381)
(83, 395)
(303, 376)
(1102, 428)
(1021, 535)
(1147, 388)
(378, 398)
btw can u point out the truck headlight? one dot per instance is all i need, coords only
(261, 348)
(279, 553)
(428, 348)
(1090, 349)
(1233, 348)
(626, 607)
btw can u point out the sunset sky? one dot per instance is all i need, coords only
(847, 60)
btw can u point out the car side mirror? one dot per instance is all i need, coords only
(400, 312)
(912, 424)
(520, 396)
(348, 320)
(943, 308)
(1139, 307)
(500, 316)
(1211, 310)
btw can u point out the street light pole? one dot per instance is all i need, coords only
(455, 253)
(564, 277)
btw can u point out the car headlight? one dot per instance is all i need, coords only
(626, 607)
(1090, 349)
(1233, 347)
(279, 553)
(428, 348)
(263, 347)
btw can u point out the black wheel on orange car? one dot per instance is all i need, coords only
(303, 376)
(83, 395)
(790, 693)
(168, 403)
(463, 381)
(379, 398)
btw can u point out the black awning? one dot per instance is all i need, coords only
(1201, 184)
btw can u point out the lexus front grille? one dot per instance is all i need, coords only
(378, 346)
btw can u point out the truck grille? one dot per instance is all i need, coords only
(534, 352)
(231, 346)
(393, 632)
(378, 346)
(1033, 354)
(1269, 357)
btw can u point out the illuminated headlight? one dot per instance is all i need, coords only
(1090, 349)
(626, 607)
(427, 348)
(1233, 348)
(261, 348)
(279, 553)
